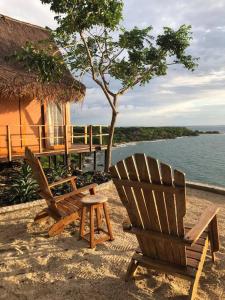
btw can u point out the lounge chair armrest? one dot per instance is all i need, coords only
(89, 188)
(61, 181)
(206, 218)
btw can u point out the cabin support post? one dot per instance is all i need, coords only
(66, 144)
(90, 137)
(49, 162)
(105, 158)
(54, 159)
(95, 160)
(80, 161)
(40, 138)
(9, 143)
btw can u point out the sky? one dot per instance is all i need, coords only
(179, 98)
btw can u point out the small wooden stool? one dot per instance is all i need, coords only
(95, 204)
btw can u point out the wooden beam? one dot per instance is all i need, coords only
(149, 186)
(154, 234)
(162, 266)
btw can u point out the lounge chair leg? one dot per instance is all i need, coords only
(58, 227)
(42, 216)
(131, 269)
(213, 238)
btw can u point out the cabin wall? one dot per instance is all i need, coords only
(9, 115)
(19, 116)
(27, 114)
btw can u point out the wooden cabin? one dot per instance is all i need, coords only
(32, 113)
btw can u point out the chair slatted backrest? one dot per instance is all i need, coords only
(154, 197)
(38, 174)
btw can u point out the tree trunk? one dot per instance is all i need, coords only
(110, 141)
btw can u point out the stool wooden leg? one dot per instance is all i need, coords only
(108, 221)
(98, 217)
(92, 227)
(82, 222)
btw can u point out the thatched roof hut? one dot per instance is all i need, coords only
(15, 81)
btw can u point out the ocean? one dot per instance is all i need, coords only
(201, 158)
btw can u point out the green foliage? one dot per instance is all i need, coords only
(24, 188)
(49, 67)
(78, 15)
(56, 173)
(131, 134)
(93, 43)
(175, 43)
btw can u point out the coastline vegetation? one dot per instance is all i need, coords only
(135, 134)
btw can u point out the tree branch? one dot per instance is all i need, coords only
(94, 75)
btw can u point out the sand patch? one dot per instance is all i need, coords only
(33, 266)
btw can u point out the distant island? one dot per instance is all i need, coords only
(137, 134)
(207, 132)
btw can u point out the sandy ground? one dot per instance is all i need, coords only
(33, 266)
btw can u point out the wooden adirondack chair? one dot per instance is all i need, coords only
(154, 197)
(64, 209)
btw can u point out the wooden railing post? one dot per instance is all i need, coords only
(100, 135)
(90, 137)
(40, 138)
(85, 135)
(9, 143)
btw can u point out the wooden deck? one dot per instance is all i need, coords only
(79, 148)
(13, 143)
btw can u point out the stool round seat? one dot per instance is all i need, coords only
(93, 199)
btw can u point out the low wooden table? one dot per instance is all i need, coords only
(95, 205)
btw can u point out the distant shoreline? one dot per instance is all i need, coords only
(132, 135)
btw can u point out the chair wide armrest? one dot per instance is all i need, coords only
(86, 188)
(194, 234)
(62, 181)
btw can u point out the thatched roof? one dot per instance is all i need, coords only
(18, 83)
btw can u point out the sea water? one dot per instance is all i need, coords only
(201, 158)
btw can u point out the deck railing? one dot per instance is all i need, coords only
(45, 138)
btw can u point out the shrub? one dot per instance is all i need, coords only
(23, 188)
(56, 173)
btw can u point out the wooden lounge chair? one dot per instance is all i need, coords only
(64, 209)
(154, 197)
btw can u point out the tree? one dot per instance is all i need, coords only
(95, 43)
